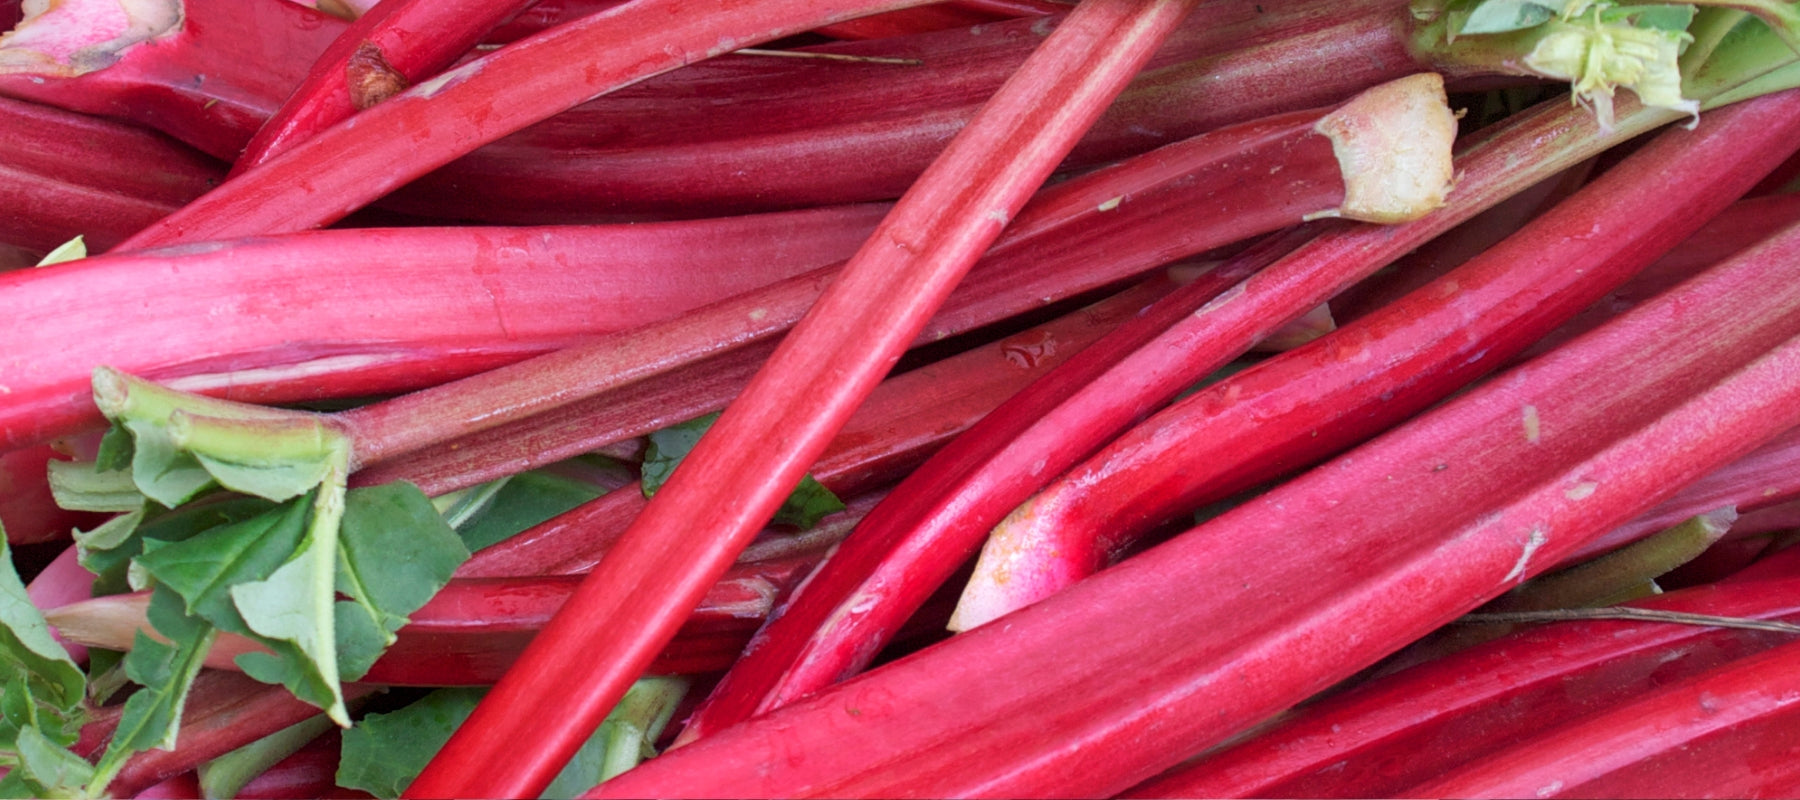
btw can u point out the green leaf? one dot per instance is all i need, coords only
(202, 568)
(168, 526)
(116, 449)
(49, 769)
(395, 552)
(163, 471)
(43, 686)
(226, 775)
(385, 752)
(292, 612)
(809, 503)
(526, 500)
(626, 737)
(1501, 16)
(166, 670)
(72, 250)
(668, 447)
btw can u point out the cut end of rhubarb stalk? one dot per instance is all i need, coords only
(1393, 145)
(66, 38)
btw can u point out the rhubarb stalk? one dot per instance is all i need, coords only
(742, 468)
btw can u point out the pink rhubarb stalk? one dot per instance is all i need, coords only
(905, 418)
(207, 72)
(323, 179)
(1204, 636)
(74, 175)
(1382, 737)
(1078, 236)
(373, 310)
(629, 606)
(473, 629)
(397, 44)
(835, 626)
(1293, 410)
(1728, 732)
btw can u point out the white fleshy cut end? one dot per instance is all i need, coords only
(66, 38)
(1393, 146)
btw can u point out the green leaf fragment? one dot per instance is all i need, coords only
(43, 688)
(72, 250)
(166, 670)
(48, 769)
(524, 501)
(78, 486)
(292, 611)
(395, 553)
(385, 752)
(202, 568)
(805, 506)
(1500, 16)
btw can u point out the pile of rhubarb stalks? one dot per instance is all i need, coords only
(1141, 398)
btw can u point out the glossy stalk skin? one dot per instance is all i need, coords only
(1768, 477)
(472, 630)
(780, 135)
(1246, 615)
(1300, 407)
(76, 175)
(882, 576)
(793, 658)
(904, 419)
(1383, 737)
(733, 479)
(1081, 235)
(348, 313)
(1729, 732)
(396, 44)
(323, 179)
(209, 82)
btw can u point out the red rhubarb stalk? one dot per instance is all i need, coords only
(1380, 738)
(834, 627)
(321, 180)
(207, 72)
(1083, 234)
(732, 481)
(1249, 613)
(397, 44)
(473, 629)
(905, 418)
(1295, 409)
(375, 310)
(1728, 732)
(75, 175)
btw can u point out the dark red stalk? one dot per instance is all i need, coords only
(1298, 408)
(225, 711)
(321, 180)
(905, 418)
(311, 772)
(781, 135)
(740, 471)
(1382, 737)
(1729, 732)
(1250, 613)
(864, 566)
(473, 629)
(27, 509)
(1080, 235)
(74, 175)
(209, 80)
(870, 588)
(343, 313)
(397, 44)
